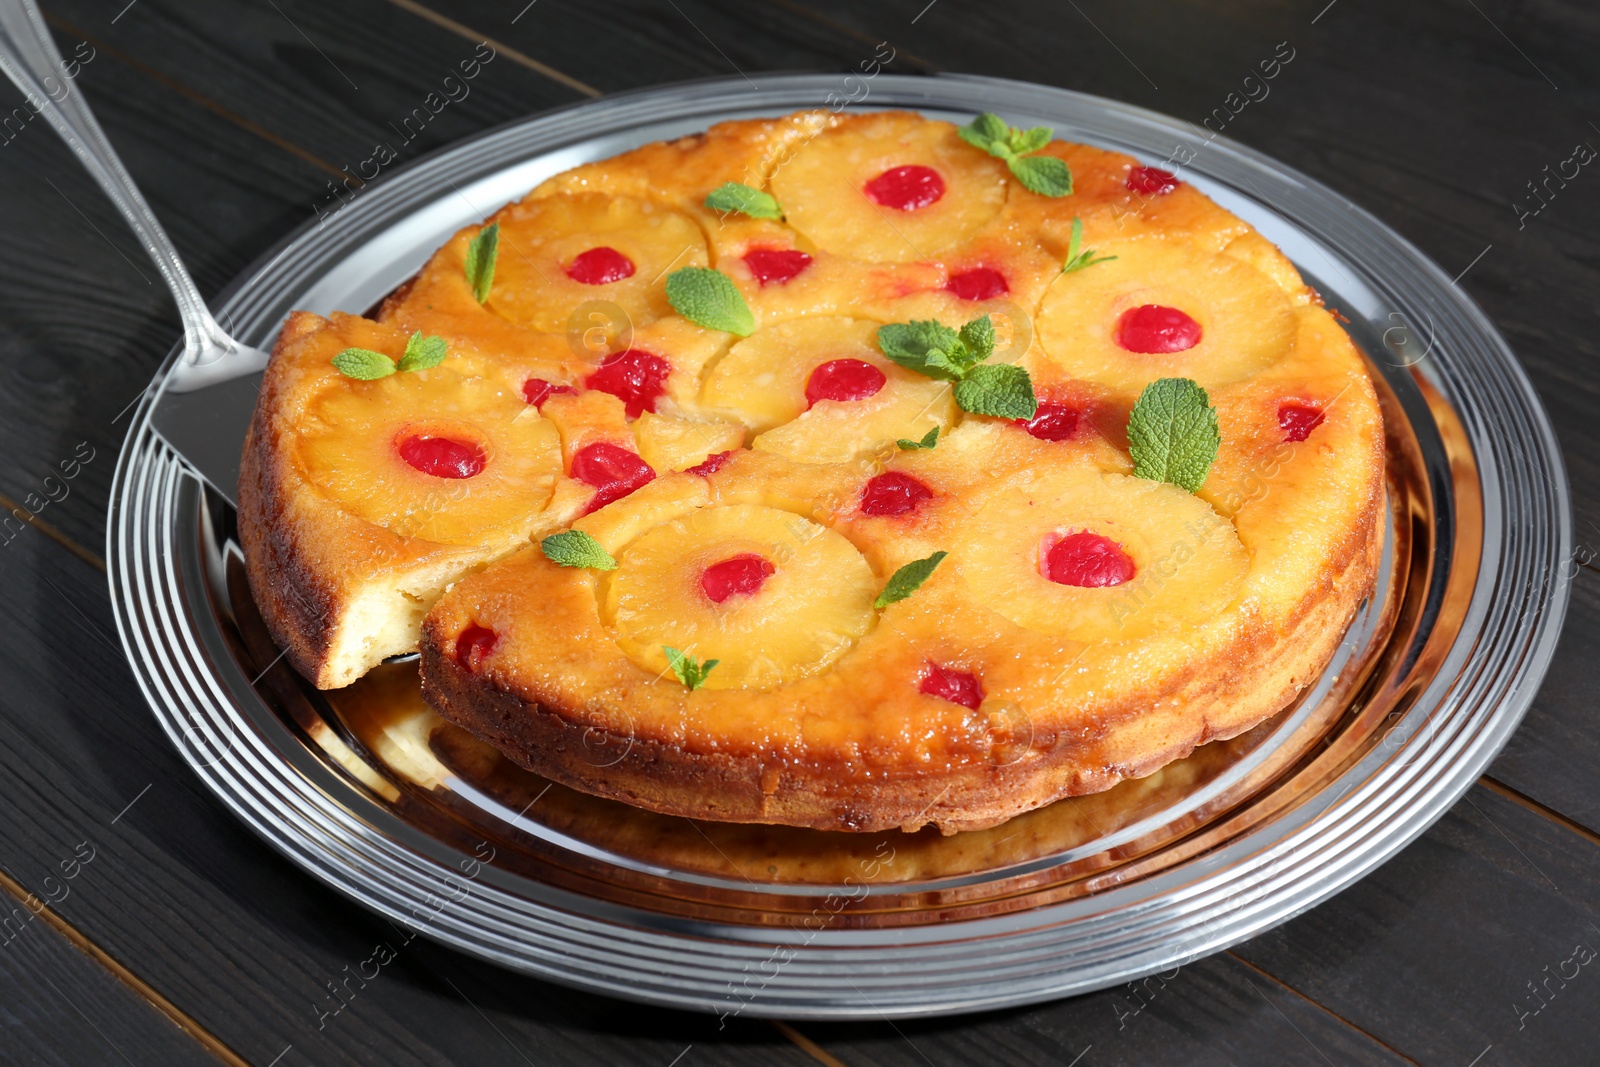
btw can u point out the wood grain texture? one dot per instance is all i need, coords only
(60, 1008)
(233, 116)
(1435, 952)
(1553, 756)
(1219, 1011)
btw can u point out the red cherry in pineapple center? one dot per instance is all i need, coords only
(600, 266)
(958, 687)
(1088, 561)
(979, 283)
(736, 576)
(1298, 420)
(843, 379)
(1154, 328)
(893, 493)
(442, 457)
(612, 470)
(1053, 421)
(1152, 181)
(775, 266)
(906, 188)
(635, 377)
(474, 644)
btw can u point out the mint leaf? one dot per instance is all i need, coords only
(950, 365)
(732, 196)
(978, 336)
(423, 353)
(923, 346)
(709, 298)
(363, 364)
(481, 253)
(985, 131)
(935, 350)
(929, 440)
(1022, 142)
(999, 389)
(908, 579)
(1045, 175)
(574, 548)
(690, 672)
(1077, 256)
(1172, 433)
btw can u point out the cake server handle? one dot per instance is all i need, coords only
(30, 59)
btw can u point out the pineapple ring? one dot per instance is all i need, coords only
(809, 612)
(1189, 562)
(673, 444)
(821, 189)
(1247, 323)
(762, 380)
(540, 239)
(349, 449)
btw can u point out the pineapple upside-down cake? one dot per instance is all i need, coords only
(847, 472)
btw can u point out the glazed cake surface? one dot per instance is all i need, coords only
(763, 490)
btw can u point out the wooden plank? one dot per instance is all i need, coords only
(636, 43)
(1217, 1011)
(1552, 756)
(1427, 960)
(190, 902)
(331, 80)
(58, 1007)
(1435, 952)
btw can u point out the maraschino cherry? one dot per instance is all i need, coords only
(1088, 561)
(906, 188)
(946, 683)
(600, 266)
(443, 457)
(739, 575)
(1156, 329)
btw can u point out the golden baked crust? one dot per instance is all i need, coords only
(989, 692)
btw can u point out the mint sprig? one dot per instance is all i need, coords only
(574, 548)
(709, 298)
(423, 352)
(482, 251)
(929, 440)
(1045, 175)
(363, 364)
(934, 349)
(690, 671)
(908, 579)
(744, 200)
(1079, 257)
(1173, 434)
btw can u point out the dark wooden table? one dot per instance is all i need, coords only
(147, 927)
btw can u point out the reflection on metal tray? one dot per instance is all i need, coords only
(370, 791)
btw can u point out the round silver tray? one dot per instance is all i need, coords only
(368, 791)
